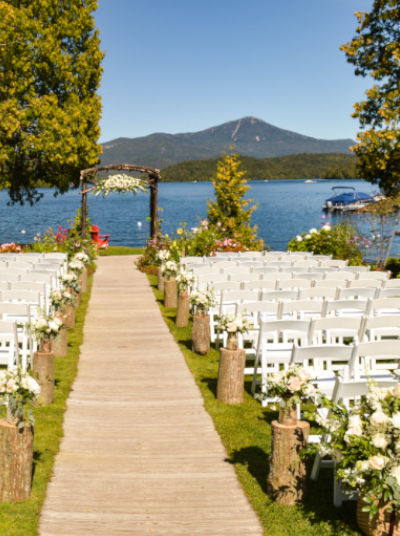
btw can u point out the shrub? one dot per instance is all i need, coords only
(393, 264)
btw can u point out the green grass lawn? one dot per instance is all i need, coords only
(245, 431)
(22, 518)
(120, 250)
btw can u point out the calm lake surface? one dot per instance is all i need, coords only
(285, 209)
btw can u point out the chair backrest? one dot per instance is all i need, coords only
(342, 275)
(220, 286)
(229, 299)
(279, 295)
(8, 343)
(347, 307)
(388, 292)
(365, 283)
(259, 283)
(376, 327)
(384, 306)
(283, 284)
(381, 276)
(303, 309)
(318, 293)
(9, 274)
(285, 331)
(335, 329)
(15, 312)
(354, 293)
(348, 391)
(325, 357)
(391, 283)
(335, 283)
(374, 358)
(358, 268)
(259, 311)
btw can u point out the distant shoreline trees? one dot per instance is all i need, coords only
(50, 70)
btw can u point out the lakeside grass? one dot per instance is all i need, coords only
(245, 431)
(120, 250)
(22, 518)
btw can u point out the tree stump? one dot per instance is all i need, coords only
(43, 372)
(379, 525)
(182, 310)
(286, 481)
(68, 316)
(84, 281)
(16, 456)
(170, 293)
(160, 279)
(230, 386)
(59, 345)
(201, 334)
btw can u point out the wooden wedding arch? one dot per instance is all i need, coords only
(89, 176)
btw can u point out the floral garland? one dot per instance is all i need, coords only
(121, 183)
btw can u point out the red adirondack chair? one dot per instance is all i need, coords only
(100, 239)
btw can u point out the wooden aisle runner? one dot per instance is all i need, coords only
(140, 455)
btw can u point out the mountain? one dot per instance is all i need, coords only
(248, 136)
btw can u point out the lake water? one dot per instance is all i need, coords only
(285, 208)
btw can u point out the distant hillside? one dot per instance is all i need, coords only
(295, 166)
(248, 136)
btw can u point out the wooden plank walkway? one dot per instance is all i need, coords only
(140, 455)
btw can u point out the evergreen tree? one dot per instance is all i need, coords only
(231, 211)
(375, 51)
(49, 108)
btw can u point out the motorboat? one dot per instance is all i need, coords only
(349, 200)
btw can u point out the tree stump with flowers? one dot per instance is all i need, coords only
(59, 343)
(286, 482)
(17, 390)
(169, 271)
(160, 279)
(68, 316)
(201, 301)
(184, 279)
(230, 386)
(83, 281)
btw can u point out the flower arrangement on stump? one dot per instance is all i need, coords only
(71, 280)
(184, 280)
(169, 270)
(364, 441)
(63, 304)
(201, 301)
(161, 257)
(230, 386)
(18, 391)
(287, 476)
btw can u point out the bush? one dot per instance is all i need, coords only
(340, 241)
(393, 264)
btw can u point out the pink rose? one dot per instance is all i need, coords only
(294, 384)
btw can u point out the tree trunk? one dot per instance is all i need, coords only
(287, 474)
(182, 310)
(59, 344)
(201, 334)
(16, 456)
(160, 279)
(43, 372)
(68, 316)
(230, 387)
(84, 281)
(170, 293)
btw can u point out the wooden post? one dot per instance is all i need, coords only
(230, 386)
(16, 456)
(182, 310)
(43, 372)
(201, 334)
(83, 207)
(287, 475)
(153, 184)
(59, 345)
(170, 293)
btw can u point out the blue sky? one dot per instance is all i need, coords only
(186, 65)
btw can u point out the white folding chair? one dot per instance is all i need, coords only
(259, 284)
(391, 283)
(335, 330)
(285, 284)
(383, 306)
(341, 275)
(375, 360)
(346, 307)
(8, 344)
(377, 327)
(316, 293)
(20, 313)
(377, 276)
(388, 292)
(274, 348)
(356, 293)
(279, 295)
(303, 309)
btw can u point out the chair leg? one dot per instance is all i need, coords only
(316, 467)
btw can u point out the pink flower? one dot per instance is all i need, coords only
(294, 384)
(219, 224)
(324, 216)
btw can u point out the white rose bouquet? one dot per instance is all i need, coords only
(70, 279)
(17, 390)
(292, 385)
(162, 255)
(76, 266)
(60, 297)
(169, 269)
(81, 256)
(233, 324)
(120, 183)
(184, 279)
(202, 300)
(44, 326)
(365, 443)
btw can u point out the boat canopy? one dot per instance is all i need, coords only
(347, 198)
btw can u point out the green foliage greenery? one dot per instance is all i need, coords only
(49, 108)
(393, 264)
(340, 241)
(296, 166)
(375, 52)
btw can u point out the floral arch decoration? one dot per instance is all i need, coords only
(98, 186)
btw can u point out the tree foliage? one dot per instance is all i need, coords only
(49, 108)
(230, 211)
(375, 51)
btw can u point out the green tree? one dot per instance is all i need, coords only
(49, 108)
(230, 211)
(375, 51)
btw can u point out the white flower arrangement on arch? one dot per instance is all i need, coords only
(120, 183)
